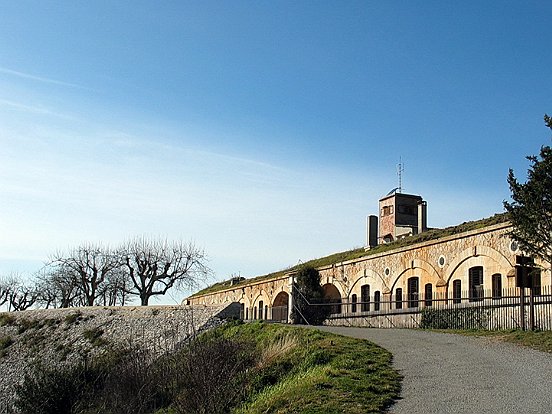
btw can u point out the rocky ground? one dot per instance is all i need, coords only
(65, 336)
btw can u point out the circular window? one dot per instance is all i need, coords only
(387, 271)
(514, 246)
(441, 261)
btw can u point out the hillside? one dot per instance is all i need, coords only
(61, 337)
(139, 361)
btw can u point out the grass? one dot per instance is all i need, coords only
(94, 336)
(73, 318)
(317, 372)
(7, 319)
(539, 340)
(433, 234)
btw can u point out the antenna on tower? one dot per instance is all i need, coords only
(400, 170)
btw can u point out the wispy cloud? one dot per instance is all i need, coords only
(39, 78)
(33, 109)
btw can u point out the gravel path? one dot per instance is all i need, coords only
(446, 373)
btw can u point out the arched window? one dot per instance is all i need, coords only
(476, 283)
(266, 312)
(246, 314)
(365, 298)
(354, 303)
(242, 311)
(413, 291)
(377, 300)
(260, 309)
(457, 291)
(254, 312)
(428, 294)
(398, 298)
(497, 285)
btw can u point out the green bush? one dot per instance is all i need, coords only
(454, 318)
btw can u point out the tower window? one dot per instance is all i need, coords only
(386, 211)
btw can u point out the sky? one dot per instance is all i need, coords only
(263, 131)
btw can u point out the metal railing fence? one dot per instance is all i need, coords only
(474, 309)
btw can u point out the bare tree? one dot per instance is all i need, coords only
(22, 295)
(4, 291)
(155, 266)
(115, 289)
(88, 266)
(58, 287)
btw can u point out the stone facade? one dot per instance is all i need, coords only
(484, 257)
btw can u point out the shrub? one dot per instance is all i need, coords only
(50, 390)
(59, 390)
(455, 318)
(212, 378)
(133, 385)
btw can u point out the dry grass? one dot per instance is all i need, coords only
(277, 349)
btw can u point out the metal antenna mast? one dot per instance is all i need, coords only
(400, 170)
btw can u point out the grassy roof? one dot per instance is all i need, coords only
(429, 235)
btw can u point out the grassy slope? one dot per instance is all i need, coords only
(320, 372)
(360, 252)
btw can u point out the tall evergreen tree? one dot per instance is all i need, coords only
(308, 298)
(530, 211)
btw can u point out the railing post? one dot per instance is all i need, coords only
(531, 310)
(522, 307)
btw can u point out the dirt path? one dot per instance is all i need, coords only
(446, 373)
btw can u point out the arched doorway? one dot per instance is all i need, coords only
(280, 307)
(332, 295)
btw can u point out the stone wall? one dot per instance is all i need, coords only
(66, 336)
(436, 264)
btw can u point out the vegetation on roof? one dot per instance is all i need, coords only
(356, 253)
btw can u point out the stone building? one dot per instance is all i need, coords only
(405, 266)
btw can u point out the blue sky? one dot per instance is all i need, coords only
(264, 131)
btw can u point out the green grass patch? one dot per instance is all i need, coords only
(94, 336)
(539, 340)
(73, 318)
(6, 319)
(318, 373)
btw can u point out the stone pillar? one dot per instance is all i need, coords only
(290, 301)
